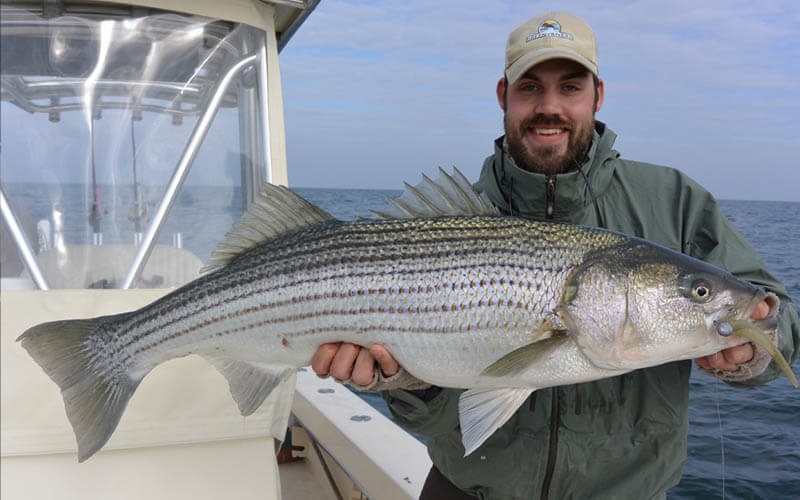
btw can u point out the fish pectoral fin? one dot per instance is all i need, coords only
(544, 331)
(483, 411)
(250, 384)
(516, 362)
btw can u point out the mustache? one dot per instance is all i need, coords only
(542, 120)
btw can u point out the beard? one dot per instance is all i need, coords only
(546, 158)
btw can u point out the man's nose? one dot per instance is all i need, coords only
(549, 103)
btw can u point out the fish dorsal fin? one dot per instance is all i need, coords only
(277, 210)
(446, 196)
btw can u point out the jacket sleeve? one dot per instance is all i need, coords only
(429, 412)
(711, 237)
(380, 382)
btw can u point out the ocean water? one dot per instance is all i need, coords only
(758, 429)
(743, 443)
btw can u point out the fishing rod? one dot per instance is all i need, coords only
(95, 211)
(139, 209)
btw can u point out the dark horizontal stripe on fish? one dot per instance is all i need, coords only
(425, 309)
(410, 227)
(259, 291)
(275, 271)
(342, 238)
(344, 328)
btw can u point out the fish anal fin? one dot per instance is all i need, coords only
(483, 411)
(518, 361)
(250, 384)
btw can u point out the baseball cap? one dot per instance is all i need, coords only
(555, 35)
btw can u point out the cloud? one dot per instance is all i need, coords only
(377, 92)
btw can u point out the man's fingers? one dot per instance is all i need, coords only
(322, 359)
(761, 311)
(364, 368)
(348, 361)
(342, 365)
(739, 354)
(388, 364)
(727, 360)
(717, 361)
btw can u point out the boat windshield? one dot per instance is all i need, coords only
(128, 144)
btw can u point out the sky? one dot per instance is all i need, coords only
(379, 92)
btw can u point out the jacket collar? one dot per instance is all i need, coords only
(502, 179)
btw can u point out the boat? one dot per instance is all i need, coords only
(122, 123)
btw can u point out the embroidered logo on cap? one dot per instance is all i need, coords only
(549, 28)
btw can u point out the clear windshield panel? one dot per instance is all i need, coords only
(96, 114)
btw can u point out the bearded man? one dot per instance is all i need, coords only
(622, 437)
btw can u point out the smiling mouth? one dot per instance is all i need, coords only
(549, 131)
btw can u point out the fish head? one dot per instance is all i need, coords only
(637, 304)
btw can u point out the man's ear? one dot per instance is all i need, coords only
(600, 92)
(501, 93)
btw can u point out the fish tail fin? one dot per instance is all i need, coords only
(95, 391)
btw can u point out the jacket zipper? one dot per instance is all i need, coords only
(550, 189)
(551, 196)
(551, 454)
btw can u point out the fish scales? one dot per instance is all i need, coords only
(498, 305)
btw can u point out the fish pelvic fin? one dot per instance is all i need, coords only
(449, 195)
(277, 210)
(250, 384)
(483, 411)
(95, 391)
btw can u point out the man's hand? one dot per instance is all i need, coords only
(729, 359)
(345, 361)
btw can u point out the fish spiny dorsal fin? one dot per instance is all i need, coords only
(449, 195)
(277, 210)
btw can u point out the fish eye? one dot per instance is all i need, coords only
(701, 291)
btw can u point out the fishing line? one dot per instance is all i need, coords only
(591, 192)
(509, 187)
(721, 435)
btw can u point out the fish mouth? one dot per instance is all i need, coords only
(754, 329)
(770, 321)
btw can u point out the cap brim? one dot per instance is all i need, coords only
(531, 59)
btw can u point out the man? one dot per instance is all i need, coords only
(622, 437)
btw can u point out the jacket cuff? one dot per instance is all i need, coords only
(400, 380)
(761, 358)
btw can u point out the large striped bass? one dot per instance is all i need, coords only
(461, 296)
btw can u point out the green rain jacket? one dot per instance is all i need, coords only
(621, 437)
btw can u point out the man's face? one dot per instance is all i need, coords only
(549, 115)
